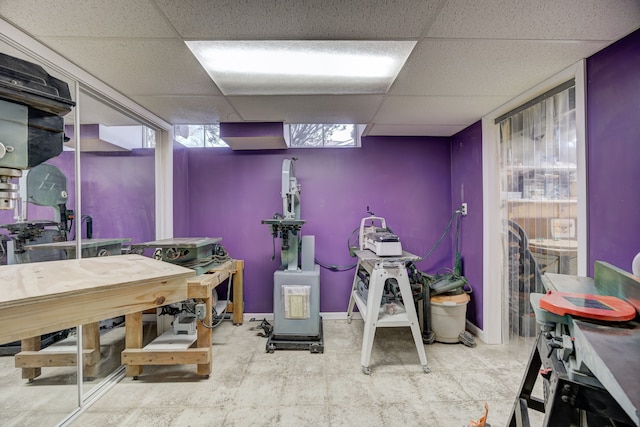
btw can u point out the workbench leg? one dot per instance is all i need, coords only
(414, 324)
(91, 341)
(238, 297)
(374, 301)
(204, 336)
(133, 339)
(31, 344)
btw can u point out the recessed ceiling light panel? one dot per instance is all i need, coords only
(302, 67)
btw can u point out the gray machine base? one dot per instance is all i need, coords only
(313, 343)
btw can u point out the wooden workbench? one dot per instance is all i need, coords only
(64, 353)
(43, 297)
(51, 296)
(171, 349)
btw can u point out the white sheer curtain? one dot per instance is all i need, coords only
(538, 202)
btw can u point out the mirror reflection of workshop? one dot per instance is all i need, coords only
(339, 213)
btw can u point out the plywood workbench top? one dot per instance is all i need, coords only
(54, 279)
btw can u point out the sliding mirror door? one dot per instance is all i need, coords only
(117, 169)
(38, 374)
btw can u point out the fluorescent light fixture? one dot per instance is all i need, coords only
(302, 67)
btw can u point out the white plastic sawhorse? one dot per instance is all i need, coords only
(380, 269)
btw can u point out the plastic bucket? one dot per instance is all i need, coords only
(448, 316)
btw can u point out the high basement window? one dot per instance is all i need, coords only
(198, 135)
(149, 138)
(301, 135)
(325, 135)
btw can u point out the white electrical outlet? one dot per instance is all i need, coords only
(463, 209)
(201, 311)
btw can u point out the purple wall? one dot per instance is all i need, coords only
(613, 153)
(180, 190)
(466, 186)
(407, 180)
(118, 191)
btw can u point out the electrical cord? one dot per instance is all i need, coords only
(83, 219)
(456, 213)
(335, 267)
(457, 233)
(452, 273)
(349, 240)
(221, 315)
(273, 239)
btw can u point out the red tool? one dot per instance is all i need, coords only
(597, 307)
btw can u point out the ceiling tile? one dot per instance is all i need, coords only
(87, 18)
(485, 67)
(308, 109)
(476, 55)
(298, 19)
(537, 19)
(414, 130)
(139, 66)
(436, 110)
(189, 109)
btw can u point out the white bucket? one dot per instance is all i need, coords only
(448, 316)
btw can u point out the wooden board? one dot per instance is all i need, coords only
(52, 358)
(138, 357)
(44, 297)
(169, 340)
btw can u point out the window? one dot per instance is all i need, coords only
(325, 135)
(149, 140)
(206, 135)
(315, 135)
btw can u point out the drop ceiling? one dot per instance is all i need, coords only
(470, 57)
